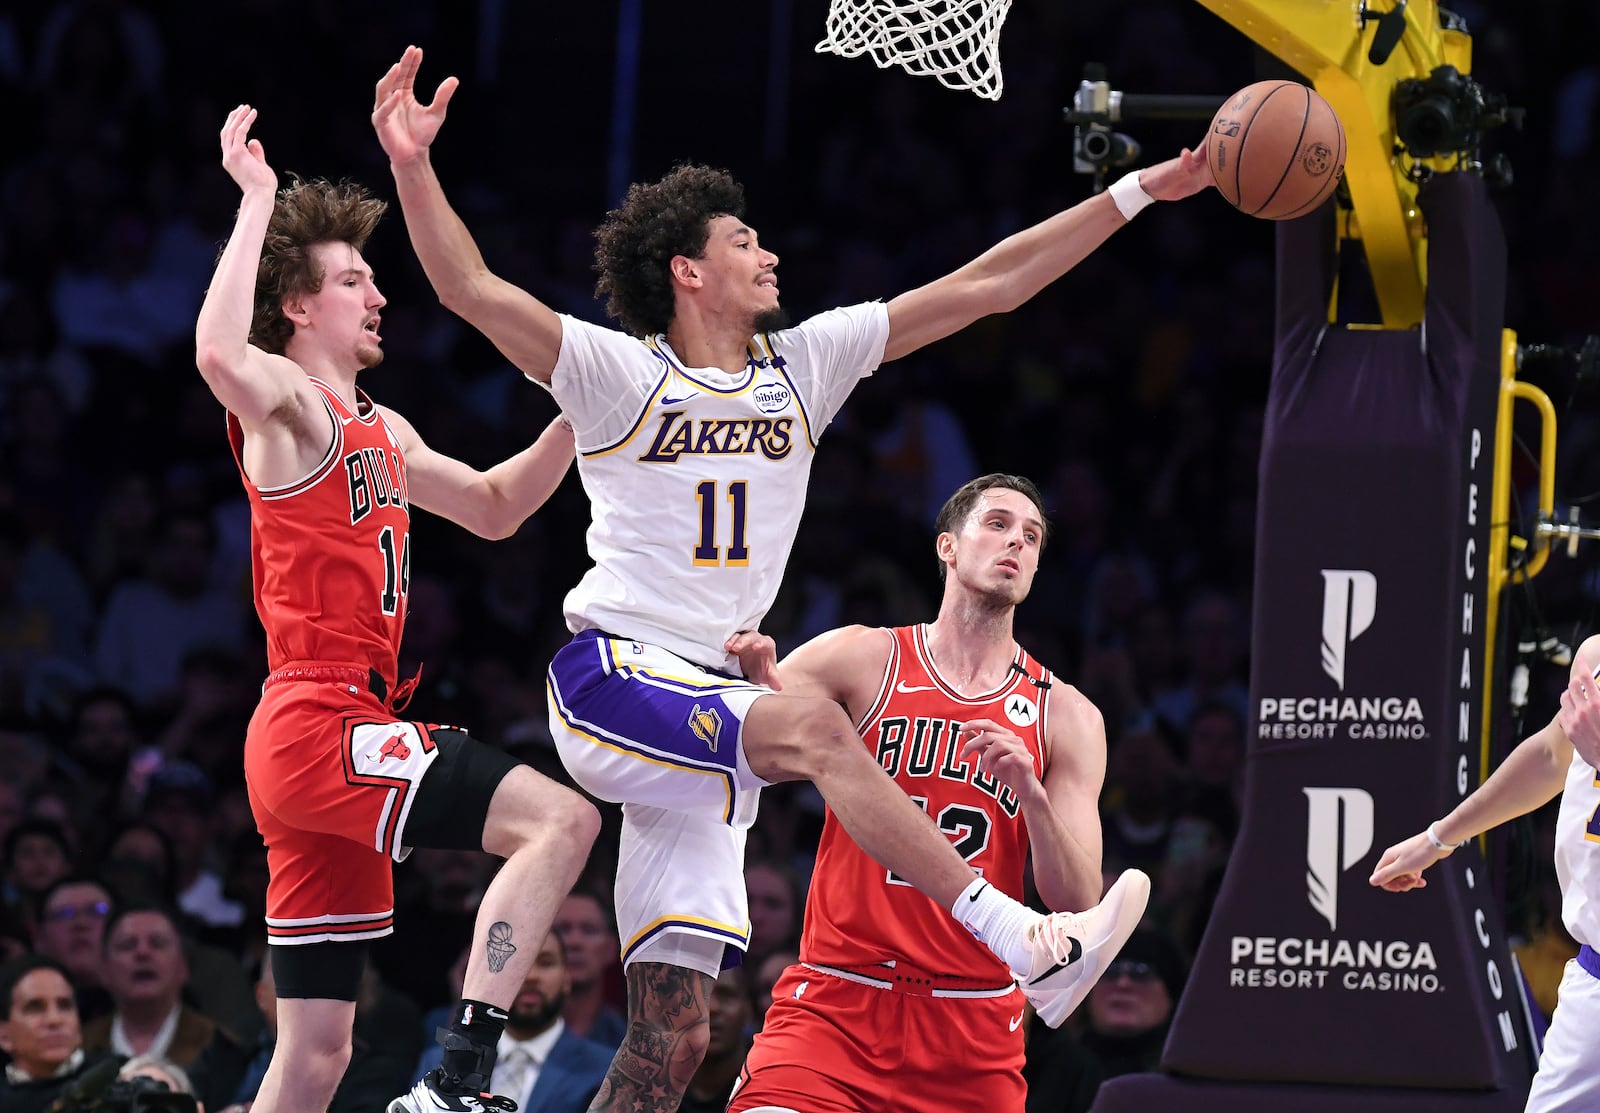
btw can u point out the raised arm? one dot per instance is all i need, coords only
(1021, 265)
(249, 382)
(490, 503)
(1531, 775)
(526, 331)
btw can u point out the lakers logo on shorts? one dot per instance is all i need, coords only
(706, 723)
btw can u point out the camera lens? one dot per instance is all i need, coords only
(1427, 126)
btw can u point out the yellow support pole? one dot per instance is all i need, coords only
(1325, 41)
(1501, 539)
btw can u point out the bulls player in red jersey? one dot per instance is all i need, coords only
(893, 1005)
(339, 784)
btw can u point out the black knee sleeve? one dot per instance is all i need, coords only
(321, 971)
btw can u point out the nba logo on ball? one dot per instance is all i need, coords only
(1276, 150)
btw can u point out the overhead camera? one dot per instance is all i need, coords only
(1447, 113)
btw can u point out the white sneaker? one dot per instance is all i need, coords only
(1072, 949)
(433, 1093)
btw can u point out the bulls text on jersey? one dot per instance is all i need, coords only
(934, 749)
(376, 480)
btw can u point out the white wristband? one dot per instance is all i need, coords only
(1440, 844)
(1128, 195)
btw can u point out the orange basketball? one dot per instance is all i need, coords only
(1276, 149)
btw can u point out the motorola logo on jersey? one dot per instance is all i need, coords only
(1021, 710)
(1339, 831)
(680, 436)
(771, 397)
(1349, 602)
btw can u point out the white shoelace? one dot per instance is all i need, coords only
(1055, 934)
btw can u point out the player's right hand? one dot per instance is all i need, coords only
(1177, 178)
(1579, 717)
(758, 657)
(406, 127)
(1400, 868)
(243, 158)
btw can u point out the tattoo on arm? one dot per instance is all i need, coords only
(499, 946)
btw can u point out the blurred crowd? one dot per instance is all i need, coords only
(1132, 392)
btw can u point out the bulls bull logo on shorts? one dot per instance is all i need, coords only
(389, 750)
(706, 722)
(394, 747)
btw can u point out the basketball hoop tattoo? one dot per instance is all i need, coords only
(499, 946)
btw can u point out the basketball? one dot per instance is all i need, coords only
(1276, 149)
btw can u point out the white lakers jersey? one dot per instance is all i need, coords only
(1578, 852)
(697, 478)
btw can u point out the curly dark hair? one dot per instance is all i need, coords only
(656, 221)
(306, 213)
(955, 510)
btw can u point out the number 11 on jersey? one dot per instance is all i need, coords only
(707, 553)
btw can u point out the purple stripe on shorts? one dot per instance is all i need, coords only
(599, 692)
(1589, 960)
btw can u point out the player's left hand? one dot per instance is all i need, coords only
(406, 127)
(1001, 753)
(1400, 868)
(1179, 177)
(758, 657)
(1579, 717)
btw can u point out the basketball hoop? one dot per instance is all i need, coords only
(956, 41)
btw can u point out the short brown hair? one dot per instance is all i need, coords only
(306, 213)
(959, 505)
(639, 238)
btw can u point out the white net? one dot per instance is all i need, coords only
(956, 41)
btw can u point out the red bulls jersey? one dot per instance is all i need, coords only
(331, 552)
(858, 914)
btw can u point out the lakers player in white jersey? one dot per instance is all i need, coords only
(1561, 758)
(695, 430)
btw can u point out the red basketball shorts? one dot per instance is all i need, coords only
(332, 776)
(832, 1045)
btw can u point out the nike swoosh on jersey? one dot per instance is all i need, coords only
(1074, 956)
(909, 688)
(676, 401)
(1016, 1021)
(346, 420)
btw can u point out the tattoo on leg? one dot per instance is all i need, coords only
(668, 1025)
(499, 946)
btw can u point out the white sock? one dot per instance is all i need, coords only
(998, 922)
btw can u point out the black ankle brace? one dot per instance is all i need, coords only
(467, 1065)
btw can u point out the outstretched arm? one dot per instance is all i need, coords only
(245, 379)
(1534, 773)
(489, 503)
(1021, 265)
(526, 331)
